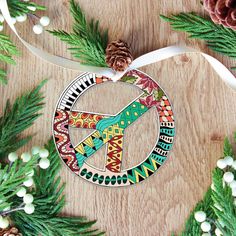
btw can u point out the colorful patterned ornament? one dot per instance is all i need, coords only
(109, 130)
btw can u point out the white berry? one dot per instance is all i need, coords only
(4, 223)
(221, 163)
(29, 208)
(30, 173)
(44, 163)
(205, 226)
(200, 216)
(1, 18)
(233, 184)
(32, 8)
(21, 18)
(29, 182)
(205, 234)
(28, 198)
(13, 20)
(44, 21)
(229, 160)
(12, 156)
(38, 29)
(25, 157)
(218, 232)
(228, 177)
(1, 28)
(234, 192)
(234, 165)
(43, 153)
(21, 192)
(35, 150)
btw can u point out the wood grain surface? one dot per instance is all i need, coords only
(204, 109)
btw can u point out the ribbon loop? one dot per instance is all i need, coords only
(144, 60)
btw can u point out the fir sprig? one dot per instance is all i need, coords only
(218, 37)
(11, 177)
(218, 204)
(49, 201)
(87, 43)
(7, 51)
(18, 117)
(17, 7)
(7, 48)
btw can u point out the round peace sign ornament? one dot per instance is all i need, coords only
(109, 130)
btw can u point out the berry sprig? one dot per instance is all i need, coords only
(22, 189)
(228, 166)
(38, 22)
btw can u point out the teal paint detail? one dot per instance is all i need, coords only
(169, 132)
(80, 159)
(106, 122)
(158, 158)
(164, 146)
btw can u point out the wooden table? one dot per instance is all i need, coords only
(204, 109)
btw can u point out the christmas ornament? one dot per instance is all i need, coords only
(222, 12)
(109, 130)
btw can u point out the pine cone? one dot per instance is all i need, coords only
(13, 231)
(222, 12)
(118, 55)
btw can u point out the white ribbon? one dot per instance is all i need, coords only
(146, 59)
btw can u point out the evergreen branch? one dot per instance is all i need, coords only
(87, 43)
(48, 202)
(18, 117)
(17, 7)
(7, 51)
(7, 48)
(223, 203)
(218, 37)
(192, 227)
(11, 178)
(218, 204)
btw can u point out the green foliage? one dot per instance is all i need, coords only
(18, 7)
(18, 117)
(218, 204)
(192, 227)
(87, 43)
(7, 48)
(7, 51)
(11, 178)
(218, 37)
(48, 202)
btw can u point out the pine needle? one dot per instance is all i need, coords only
(18, 117)
(86, 41)
(49, 200)
(218, 37)
(218, 204)
(7, 51)
(18, 7)
(7, 48)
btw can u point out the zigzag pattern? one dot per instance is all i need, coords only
(143, 171)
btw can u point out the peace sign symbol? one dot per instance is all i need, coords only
(109, 130)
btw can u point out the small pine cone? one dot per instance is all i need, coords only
(13, 231)
(118, 55)
(222, 12)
